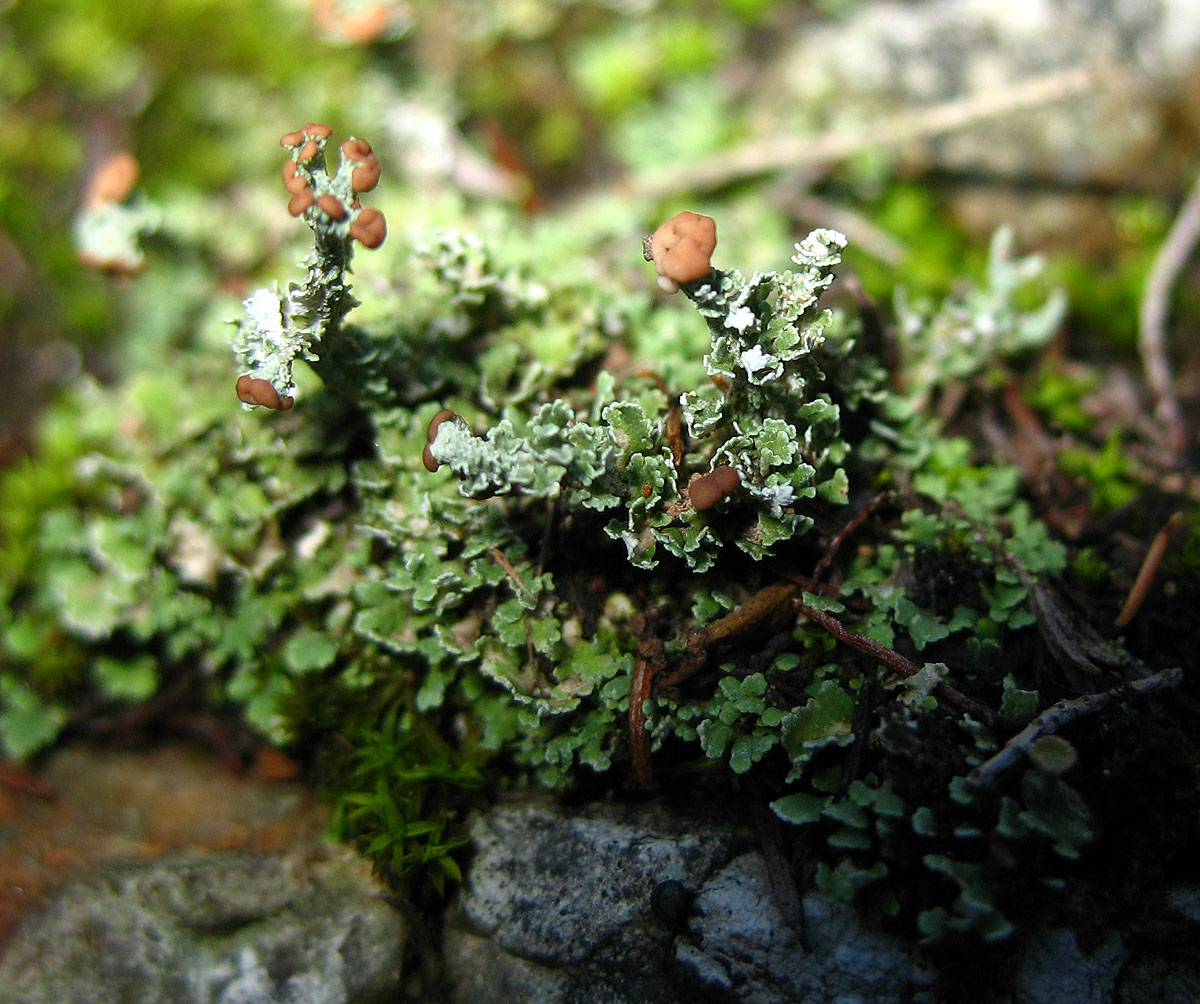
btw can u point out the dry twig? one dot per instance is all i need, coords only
(894, 660)
(648, 660)
(503, 562)
(1060, 714)
(778, 152)
(1147, 572)
(1152, 315)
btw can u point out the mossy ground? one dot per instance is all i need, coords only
(170, 561)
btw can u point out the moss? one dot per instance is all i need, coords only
(526, 521)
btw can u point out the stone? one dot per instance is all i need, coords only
(1054, 969)
(559, 907)
(742, 934)
(1046, 168)
(226, 928)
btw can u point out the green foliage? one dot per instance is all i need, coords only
(774, 423)
(1107, 471)
(975, 329)
(397, 626)
(396, 794)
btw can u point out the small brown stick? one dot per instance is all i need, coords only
(1060, 714)
(839, 539)
(648, 659)
(754, 611)
(674, 426)
(17, 778)
(766, 602)
(675, 431)
(778, 152)
(1152, 314)
(779, 874)
(894, 660)
(1149, 570)
(503, 562)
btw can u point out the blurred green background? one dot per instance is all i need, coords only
(531, 103)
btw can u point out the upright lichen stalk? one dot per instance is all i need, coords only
(278, 329)
(763, 435)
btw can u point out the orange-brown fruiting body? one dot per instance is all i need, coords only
(309, 150)
(113, 180)
(682, 249)
(369, 227)
(356, 149)
(366, 175)
(708, 489)
(427, 457)
(435, 423)
(314, 130)
(361, 26)
(255, 390)
(366, 25)
(301, 201)
(293, 180)
(331, 207)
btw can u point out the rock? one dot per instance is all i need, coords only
(1054, 969)
(1160, 978)
(558, 905)
(560, 908)
(894, 53)
(1133, 128)
(96, 805)
(225, 928)
(743, 937)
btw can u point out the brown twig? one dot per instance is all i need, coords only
(674, 425)
(777, 152)
(503, 562)
(1152, 315)
(648, 660)
(767, 602)
(779, 874)
(18, 778)
(1060, 714)
(1148, 571)
(840, 538)
(894, 660)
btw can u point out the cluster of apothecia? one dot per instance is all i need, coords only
(255, 390)
(706, 490)
(304, 173)
(681, 250)
(427, 458)
(329, 204)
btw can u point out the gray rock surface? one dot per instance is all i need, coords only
(1054, 969)
(902, 54)
(213, 929)
(745, 943)
(560, 907)
(1134, 126)
(558, 910)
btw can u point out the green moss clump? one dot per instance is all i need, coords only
(568, 599)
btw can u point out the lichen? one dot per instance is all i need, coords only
(306, 321)
(486, 533)
(769, 419)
